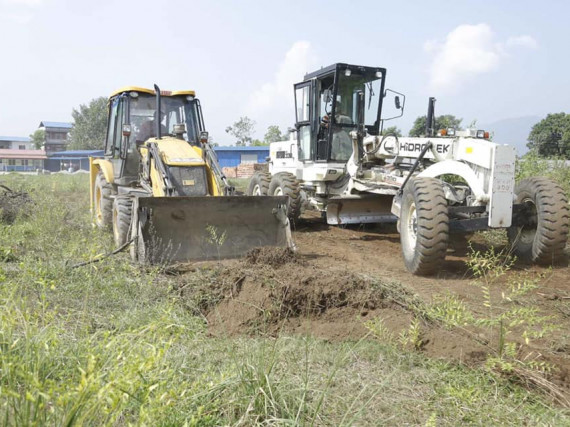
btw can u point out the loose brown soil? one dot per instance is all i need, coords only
(341, 278)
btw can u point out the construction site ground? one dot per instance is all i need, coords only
(343, 279)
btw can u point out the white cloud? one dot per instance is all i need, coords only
(467, 51)
(522, 41)
(275, 98)
(18, 19)
(24, 2)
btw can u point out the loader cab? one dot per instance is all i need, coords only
(132, 120)
(327, 106)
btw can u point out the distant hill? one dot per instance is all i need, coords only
(512, 131)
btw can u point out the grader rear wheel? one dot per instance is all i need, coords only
(259, 184)
(542, 238)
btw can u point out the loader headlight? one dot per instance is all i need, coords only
(347, 72)
(451, 131)
(480, 134)
(134, 94)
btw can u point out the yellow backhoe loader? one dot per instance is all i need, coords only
(162, 191)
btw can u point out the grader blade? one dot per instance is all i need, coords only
(180, 229)
(360, 209)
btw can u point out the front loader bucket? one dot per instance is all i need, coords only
(179, 229)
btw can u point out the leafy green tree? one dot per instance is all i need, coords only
(258, 143)
(242, 130)
(441, 122)
(551, 136)
(89, 125)
(38, 138)
(392, 130)
(273, 134)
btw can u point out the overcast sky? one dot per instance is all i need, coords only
(484, 60)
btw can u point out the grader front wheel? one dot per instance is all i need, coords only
(424, 226)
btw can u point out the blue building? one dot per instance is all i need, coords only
(75, 159)
(234, 156)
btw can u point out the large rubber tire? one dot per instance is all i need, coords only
(122, 214)
(139, 253)
(424, 226)
(543, 239)
(259, 184)
(285, 184)
(102, 202)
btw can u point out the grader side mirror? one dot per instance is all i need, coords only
(397, 102)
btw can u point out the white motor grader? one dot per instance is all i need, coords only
(449, 181)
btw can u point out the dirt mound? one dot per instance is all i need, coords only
(12, 204)
(301, 298)
(267, 299)
(274, 257)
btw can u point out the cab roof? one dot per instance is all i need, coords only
(151, 91)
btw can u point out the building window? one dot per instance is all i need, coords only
(11, 162)
(25, 162)
(248, 158)
(22, 147)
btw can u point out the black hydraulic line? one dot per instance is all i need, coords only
(102, 257)
(414, 166)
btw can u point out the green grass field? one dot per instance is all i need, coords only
(114, 344)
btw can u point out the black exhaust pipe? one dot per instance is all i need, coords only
(158, 114)
(430, 122)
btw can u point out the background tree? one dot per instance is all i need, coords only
(89, 125)
(242, 130)
(392, 130)
(38, 138)
(273, 134)
(258, 143)
(441, 122)
(551, 136)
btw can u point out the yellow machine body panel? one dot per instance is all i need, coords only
(96, 165)
(178, 153)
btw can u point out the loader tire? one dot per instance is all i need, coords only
(285, 184)
(424, 226)
(543, 238)
(122, 214)
(102, 202)
(139, 252)
(259, 184)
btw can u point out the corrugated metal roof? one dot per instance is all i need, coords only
(249, 148)
(15, 138)
(64, 125)
(22, 154)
